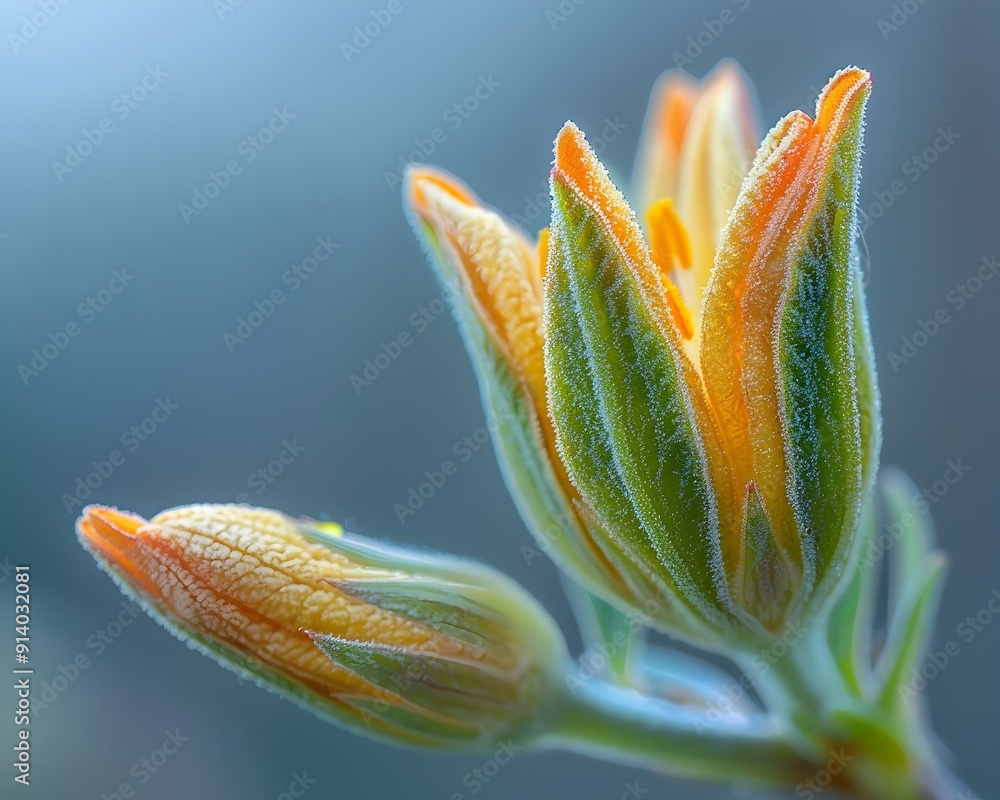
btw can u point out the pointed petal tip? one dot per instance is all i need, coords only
(423, 183)
(577, 165)
(99, 524)
(676, 92)
(843, 93)
(114, 538)
(728, 72)
(569, 143)
(853, 74)
(673, 80)
(579, 168)
(568, 128)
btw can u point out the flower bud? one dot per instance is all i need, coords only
(697, 408)
(736, 479)
(414, 648)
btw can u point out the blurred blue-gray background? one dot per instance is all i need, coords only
(169, 93)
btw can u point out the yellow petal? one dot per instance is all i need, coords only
(501, 277)
(719, 145)
(657, 168)
(543, 249)
(497, 266)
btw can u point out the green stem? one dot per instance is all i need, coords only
(800, 683)
(817, 733)
(888, 755)
(624, 726)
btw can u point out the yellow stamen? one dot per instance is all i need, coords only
(668, 238)
(496, 266)
(670, 249)
(682, 314)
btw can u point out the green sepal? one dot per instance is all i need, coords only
(625, 424)
(461, 691)
(764, 585)
(825, 370)
(456, 596)
(436, 605)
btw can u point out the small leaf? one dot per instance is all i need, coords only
(909, 634)
(912, 532)
(850, 622)
(606, 630)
